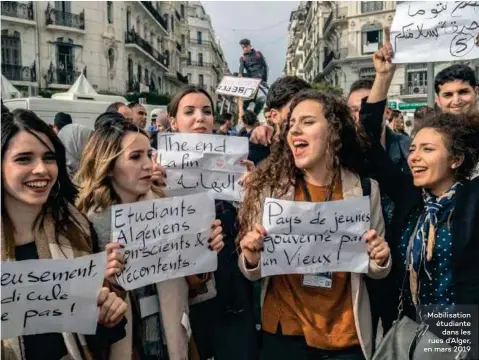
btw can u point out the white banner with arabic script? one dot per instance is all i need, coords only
(427, 31)
(201, 162)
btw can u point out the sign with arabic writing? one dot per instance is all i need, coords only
(238, 86)
(426, 31)
(201, 162)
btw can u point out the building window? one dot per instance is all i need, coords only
(371, 38)
(138, 28)
(371, 6)
(183, 41)
(166, 17)
(368, 73)
(111, 58)
(200, 59)
(182, 11)
(11, 48)
(199, 37)
(145, 32)
(63, 6)
(201, 80)
(189, 77)
(128, 19)
(172, 20)
(416, 78)
(152, 39)
(65, 62)
(158, 43)
(189, 58)
(139, 73)
(109, 11)
(130, 71)
(147, 77)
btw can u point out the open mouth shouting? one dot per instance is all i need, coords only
(299, 147)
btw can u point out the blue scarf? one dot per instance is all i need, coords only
(436, 210)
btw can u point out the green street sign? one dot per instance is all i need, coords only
(392, 104)
(410, 106)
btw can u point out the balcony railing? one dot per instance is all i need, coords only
(61, 76)
(63, 18)
(328, 21)
(132, 37)
(19, 72)
(183, 79)
(199, 42)
(149, 6)
(199, 63)
(17, 9)
(179, 47)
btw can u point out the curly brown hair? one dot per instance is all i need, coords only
(346, 144)
(460, 134)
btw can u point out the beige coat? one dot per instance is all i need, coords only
(173, 301)
(351, 185)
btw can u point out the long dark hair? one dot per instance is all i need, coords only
(346, 144)
(64, 192)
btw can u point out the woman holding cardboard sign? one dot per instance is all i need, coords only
(221, 307)
(39, 221)
(117, 168)
(319, 158)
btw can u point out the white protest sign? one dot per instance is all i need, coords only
(164, 239)
(427, 31)
(238, 86)
(43, 296)
(308, 238)
(197, 163)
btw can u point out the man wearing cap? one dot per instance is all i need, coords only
(61, 120)
(252, 62)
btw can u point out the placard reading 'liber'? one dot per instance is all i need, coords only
(198, 163)
(428, 31)
(308, 238)
(43, 296)
(238, 86)
(164, 239)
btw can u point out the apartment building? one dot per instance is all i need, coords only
(121, 46)
(334, 41)
(206, 64)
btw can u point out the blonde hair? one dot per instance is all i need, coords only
(98, 159)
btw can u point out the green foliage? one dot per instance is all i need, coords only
(151, 98)
(328, 88)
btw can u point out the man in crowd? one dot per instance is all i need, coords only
(139, 114)
(61, 120)
(224, 124)
(122, 109)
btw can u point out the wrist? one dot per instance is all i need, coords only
(250, 265)
(385, 75)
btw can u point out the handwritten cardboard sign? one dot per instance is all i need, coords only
(164, 239)
(43, 296)
(198, 163)
(425, 31)
(238, 86)
(308, 238)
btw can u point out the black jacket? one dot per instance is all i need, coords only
(254, 64)
(406, 197)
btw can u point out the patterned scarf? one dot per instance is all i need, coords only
(436, 210)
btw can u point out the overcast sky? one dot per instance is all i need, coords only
(265, 23)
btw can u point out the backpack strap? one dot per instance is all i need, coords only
(366, 186)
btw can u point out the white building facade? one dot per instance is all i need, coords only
(122, 46)
(205, 65)
(334, 41)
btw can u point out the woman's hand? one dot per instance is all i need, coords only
(249, 168)
(216, 238)
(159, 173)
(112, 308)
(252, 244)
(115, 261)
(378, 248)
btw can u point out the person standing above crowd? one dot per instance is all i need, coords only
(252, 62)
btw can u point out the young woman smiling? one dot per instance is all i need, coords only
(223, 326)
(436, 224)
(117, 168)
(317, 159)
(39, 221)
